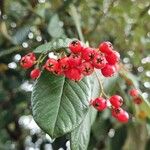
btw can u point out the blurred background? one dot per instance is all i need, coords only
(26, 24)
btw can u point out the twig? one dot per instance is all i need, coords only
(9, 51)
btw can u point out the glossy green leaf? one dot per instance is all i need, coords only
(58, 104)
(81, 135)
(55, 45)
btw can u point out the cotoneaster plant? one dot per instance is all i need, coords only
(68, 90)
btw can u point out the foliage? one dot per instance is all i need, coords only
(26, 25)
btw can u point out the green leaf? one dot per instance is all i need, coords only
(58, 104)
(54, 45)
(21, 34)
(81, 135)
(54, 27)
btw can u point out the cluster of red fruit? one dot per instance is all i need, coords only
(81, 62)
(134, 93)
(27, 62)
(114, 103)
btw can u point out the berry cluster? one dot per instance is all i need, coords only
(29, 61)
(79, 63)
(114, 103)
(82, 61)
(134, 93)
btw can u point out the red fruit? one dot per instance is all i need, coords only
(88, 54)
(105, 47)
(75, 46)
(116, 111)
(99, 103)
(58, 71)
(74, 60)
(120, 114)
(137, 100)
(134, 92)
(26, 62)
(123, 117)
(64, 64)
(74, 74)
(32, 56)
(113, 57)
(86, 68)
(99, 61)
(108, 70)
(35, 73)
(116, 101)
(51, 65)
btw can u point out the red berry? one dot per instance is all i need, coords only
(99, 103)
(35, 73)
(64, 64)
(75, 46)
(137, 100)
(74, 74)
(88, 54)
(74, 60)
(134, 92)
(113, 57)
(116, 111)
(123, 117)
(108, 70)
(51, 65)
(120, 114)
(99, 61)
(32, 56)
(86, 68)
(116, 101)
(26, 62)
(105, 47)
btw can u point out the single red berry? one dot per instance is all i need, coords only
(99, 61)
(32, 56)
(86, 68)
(35, 73)
(51, 65)
(116, 101)
(116, 111)
(105, 47)
(108, 70)
(99, 103)
(26, 62)
(74, 60)
(120, 114)
(58, 71)
(113, 57)
(137, 100)
(75, 46)
(64, 64)
(88, 54)
(123, 117)
(73, 74)
(134, 92)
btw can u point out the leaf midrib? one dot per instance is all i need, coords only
(61, 93)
